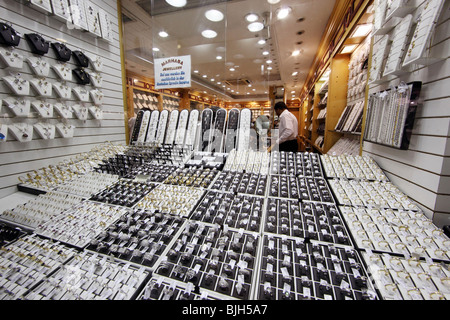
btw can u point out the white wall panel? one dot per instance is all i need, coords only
(423, 171)
(18, 158)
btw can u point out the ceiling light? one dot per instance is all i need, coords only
(214, 15)
(269, 61)
(251, 17)
(261, 41)
(156, 49)
(349, 48)
(265, 53)
(204, 76)
(294, 73)
(232, 69)
(219, 57)
(255, 26)
(209, 33)
(176, 3)
(195, 71)
(296, 53)
(283, 12)
(163, 34)
(361, 30)
(273, 1)
(269, 68)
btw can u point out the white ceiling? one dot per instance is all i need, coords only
(238, 46)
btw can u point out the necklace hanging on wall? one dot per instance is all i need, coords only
(45, 131)
(21, 131)
(43, 108)
(39, 65)
(42, 86)
(18, 106)
(18, 84)
(11, 58)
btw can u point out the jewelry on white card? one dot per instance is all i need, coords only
(96, 62)
(81, 112)
(42, 86)
(17, 84)
(63, 71)
(63, 90)
(21, 131)
(152, 126)
(63, 110)
(45, 131)
(191, 131)
(162, 123)
(96, 112)
(65, 130)
(81, 93)
(44, 109)
(172, 126)
(97, 96)
(144, 125)
(96, 79)
(61, 9)
(93, 19)
(11, 58)
(18, 106)
(39, 65)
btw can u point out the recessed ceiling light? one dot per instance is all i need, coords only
(219, 57)
(156, 49)
(232, 69)
(261, 41)
(176, 3)
(283, 12)
(361, 30)
(294, 73)
(273, 1)
(349, 48)
(214, 15)
(296, 53)
(269, 61)
(195, 71)
(255, 26)
(265, 53)
(209, 34)
(251, 17)
(163, 34)
(204, 76)
(269, 68)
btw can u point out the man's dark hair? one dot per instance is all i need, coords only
(280, 105)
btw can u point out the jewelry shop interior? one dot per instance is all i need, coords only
(141, 154)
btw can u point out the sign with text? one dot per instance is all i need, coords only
(173, 72)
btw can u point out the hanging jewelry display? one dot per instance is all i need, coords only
(61, 10)
(93, 19)
(63, 110)
(81, 93)
(45, 130)
(399, 37)
(65, 130)
(378, 57)
(78, 13)
(63, 90)
(152, 126)
(206, 130)
(106, 25)
(219, 130)
(423, 32)
(11, 58)
(42, 86)
(43, 108)
(18, 106)
(17, 84)
(43, 6)
(97, 97)
(191, 132)
(172, 126)
(80, 111)
(181, 129)
(96, 62)
(23, 132)
(162, 124)
(63, 71)
(244, 130)
(96, 79)
(143, 129)
(137, 126)
(232, 130)
(96, 112)
(3, 132)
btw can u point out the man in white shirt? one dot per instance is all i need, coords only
(288, 129)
